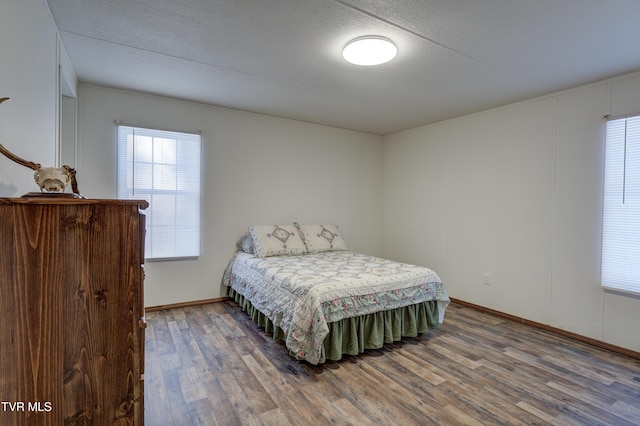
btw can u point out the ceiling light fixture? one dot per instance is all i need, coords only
(369, 50)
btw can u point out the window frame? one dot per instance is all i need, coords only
(186, 168)
(620, 257)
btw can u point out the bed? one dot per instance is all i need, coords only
(301, 283)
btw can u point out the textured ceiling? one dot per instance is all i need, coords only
(283, 57)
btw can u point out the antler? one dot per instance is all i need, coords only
(72, 175)
(12, 156)
(21, 161)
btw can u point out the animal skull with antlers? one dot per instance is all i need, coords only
(49, 179)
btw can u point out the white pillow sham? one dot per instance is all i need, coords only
(277, 240)
(320, 238)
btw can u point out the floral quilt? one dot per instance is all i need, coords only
(302, 294)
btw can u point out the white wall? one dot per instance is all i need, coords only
(516, 193)
(257, 170)
(29, 76)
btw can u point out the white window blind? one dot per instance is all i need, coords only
(621, 216)
(163, 168)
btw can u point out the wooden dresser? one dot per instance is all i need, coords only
(71, 311)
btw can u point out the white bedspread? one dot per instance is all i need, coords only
(301, 294)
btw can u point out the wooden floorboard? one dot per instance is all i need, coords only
(211, 365)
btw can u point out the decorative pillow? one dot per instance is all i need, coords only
(277, 240)
(319, 238)
(245, 244)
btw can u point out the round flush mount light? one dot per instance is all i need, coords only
(369, 50)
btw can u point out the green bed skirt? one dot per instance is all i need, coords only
(352, 336)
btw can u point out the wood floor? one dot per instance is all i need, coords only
(210, 364)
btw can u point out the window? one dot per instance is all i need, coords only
(621, 216)
(164, 169)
